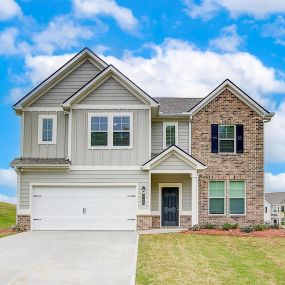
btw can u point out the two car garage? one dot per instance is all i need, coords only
(84, 207)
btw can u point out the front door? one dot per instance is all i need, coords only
(170, 206)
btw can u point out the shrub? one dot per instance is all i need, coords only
(227, 226)
(195, 228)
(247, 229)
(208, 226)
(19, 228)
(260, 227)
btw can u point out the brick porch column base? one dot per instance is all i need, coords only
(24, 221)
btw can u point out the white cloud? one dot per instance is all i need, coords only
(228, 40)
(255, 8)
(15, 94)
(275, 137)
(9, 9)
(274, 183)
(275, 30)
(8, 199)
(94, 8)
(177, 68)
(8, 41)
(62, 32)
(40, 67)
(8, 177)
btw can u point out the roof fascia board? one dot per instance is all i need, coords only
(237, 92)
(83, 55)
(174, 150)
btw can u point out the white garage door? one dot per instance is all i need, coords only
(84, 208)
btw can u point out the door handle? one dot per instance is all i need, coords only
(84, 211)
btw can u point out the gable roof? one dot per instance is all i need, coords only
(86, 53)
(174, 149)
(228, 84)
(100, 78)
(174, 105)
(275, 198)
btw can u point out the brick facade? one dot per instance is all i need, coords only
(24, 221)
(248, 166)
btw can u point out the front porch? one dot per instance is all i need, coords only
(173, 194)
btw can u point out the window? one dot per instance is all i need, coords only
(99, 131)
(226, 138)
(274, 209)
(237, 197)
(170, 134)
(266, 210)
(282, 208)
(216, 197)
(47, 125)
(121, 131)
(110, 130)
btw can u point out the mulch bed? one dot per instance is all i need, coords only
(7, 231)
(238, 233)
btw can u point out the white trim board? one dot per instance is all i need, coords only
(109, 107)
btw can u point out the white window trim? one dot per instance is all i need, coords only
(244, 214)
(166, 124)
(225, 198)
(225, 125)
(40, 129)
(110, 117)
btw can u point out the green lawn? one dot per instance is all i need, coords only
(7, 215)
(179, 259)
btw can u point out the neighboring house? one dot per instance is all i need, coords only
(274, 208)
(98, 153)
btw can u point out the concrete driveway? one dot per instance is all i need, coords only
(57, 258)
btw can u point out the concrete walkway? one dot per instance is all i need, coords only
(69, 258)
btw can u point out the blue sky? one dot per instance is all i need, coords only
(170, 48)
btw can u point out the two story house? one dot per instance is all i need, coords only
(274, 208)
(99, 153)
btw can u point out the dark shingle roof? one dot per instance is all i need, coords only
(176, 105)
(275, 198)
(33, 161)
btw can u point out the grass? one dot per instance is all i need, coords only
(180, 259)
(7, 215)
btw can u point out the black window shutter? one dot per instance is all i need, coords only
(215, 138)
(239, 138)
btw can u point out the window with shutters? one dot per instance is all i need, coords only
(227, 134)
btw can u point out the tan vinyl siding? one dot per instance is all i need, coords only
(68, 86)
(83, 176)
(157, 136)
(31, 147)
(173, 163)
(111, 92)
(138, 155)
(185, 179)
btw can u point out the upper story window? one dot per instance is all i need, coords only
(227, 138)
(47, 126)
(110, 130)
(170, 134)
(274, 209)
(121, 131)
(99, 131)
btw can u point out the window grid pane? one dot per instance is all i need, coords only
(99, 131)
(121, 131)
(237, 197)
(217, 197)
(170, 135)
(226, 138)
(47, 126)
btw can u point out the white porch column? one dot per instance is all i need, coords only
(195, 205)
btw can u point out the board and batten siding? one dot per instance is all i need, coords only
(68, 86)
(185, 179)
(157, 136)
(31, 147)
(138, 155)
(111, 92)
(84, 176)
(173, 163)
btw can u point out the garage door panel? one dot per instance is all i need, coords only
(84, 208)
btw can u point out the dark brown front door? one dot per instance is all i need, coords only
(170, 206)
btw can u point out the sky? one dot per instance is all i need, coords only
(181, 48)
